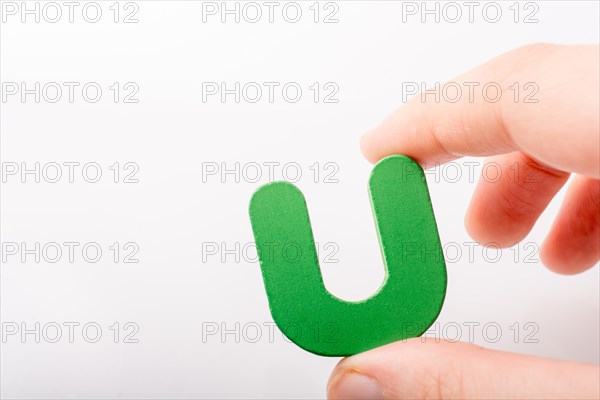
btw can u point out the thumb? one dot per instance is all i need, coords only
(426, 369)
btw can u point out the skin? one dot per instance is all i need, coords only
(549, 140)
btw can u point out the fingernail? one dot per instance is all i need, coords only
(353, 385)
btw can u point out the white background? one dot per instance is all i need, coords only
(171, 294)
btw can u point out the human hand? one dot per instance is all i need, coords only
(549, 140)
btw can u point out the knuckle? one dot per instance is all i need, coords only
(443, 383)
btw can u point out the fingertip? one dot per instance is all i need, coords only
(478, 228)
(473, 223)
(367, 147)
(573, 243)
(549, 258)
(561, 261)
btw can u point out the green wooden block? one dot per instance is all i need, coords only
(414, 288)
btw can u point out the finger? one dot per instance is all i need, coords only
(548, 108)
(512, 193)
(428, 370)
(573, 244)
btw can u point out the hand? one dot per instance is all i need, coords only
(550, 139)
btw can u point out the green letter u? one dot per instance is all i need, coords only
(413, 291)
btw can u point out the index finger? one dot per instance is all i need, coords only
(557, 126)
